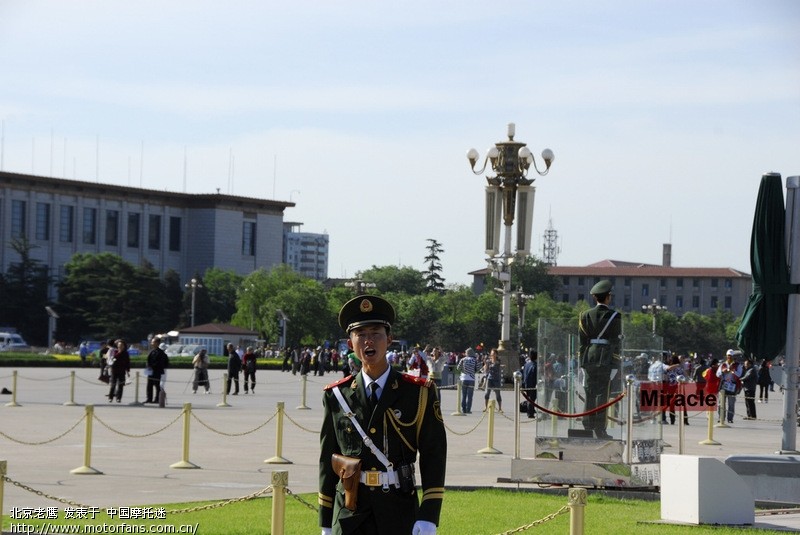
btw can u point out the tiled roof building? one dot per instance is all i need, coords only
(680, 289)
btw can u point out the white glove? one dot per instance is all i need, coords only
(326, 531)
(423, 527)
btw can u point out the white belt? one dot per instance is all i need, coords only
(376, 478)
(600, 341)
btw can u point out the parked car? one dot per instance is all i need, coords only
(12, 342)
(173, 350)
(190, 350)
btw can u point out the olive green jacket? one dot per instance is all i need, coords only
(406, 424)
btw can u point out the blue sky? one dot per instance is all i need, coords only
(662, 115)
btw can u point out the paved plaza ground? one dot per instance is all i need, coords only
(134, 446)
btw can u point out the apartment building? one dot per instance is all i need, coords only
(305, 252)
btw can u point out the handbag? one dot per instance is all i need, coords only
(349, 471)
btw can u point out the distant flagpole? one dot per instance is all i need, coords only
(141, 165)
(184, 167)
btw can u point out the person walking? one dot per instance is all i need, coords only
(749, 383)
(467, 367)
(529, 382)
(119, 361)
(200, 363)
(234, 369)
(493, 370)
(599, 329)
(157, 364)
(731, 384)
(436, 364)
(764, 380)
(366, 481)
(249, 367)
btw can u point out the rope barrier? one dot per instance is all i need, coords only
(539, 522)
(213, 430)
(579, 414)
(300, 426)
(38, 380)
(132, 435)
(468, 432)
(12, 439)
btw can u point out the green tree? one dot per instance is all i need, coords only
(531, 274)
(393, 279)
(23, 292)
(302, 299)
(203, 310)
(173, 292)
(103, 296)
(222, 287)
(416, 315)
(433, 278)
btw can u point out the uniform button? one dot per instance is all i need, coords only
(372, 430)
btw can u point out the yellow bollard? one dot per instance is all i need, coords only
(279, 439)
(303, 407)
(490, 438)
(136, 390)
(13, 402)
(458, 399)
(87, 469)
(224, 402)
(709, 441)
(577, 504)
(2, 482)
(184, 462)
(723, 409)
(280, 480)
(71, 402)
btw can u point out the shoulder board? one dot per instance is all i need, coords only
(339, 382)
(419, 381)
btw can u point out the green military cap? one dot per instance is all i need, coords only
(365, 310)
(602, 287)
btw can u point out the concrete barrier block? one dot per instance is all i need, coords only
(703, 490)
(772, 478)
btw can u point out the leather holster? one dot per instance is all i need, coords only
(349, 471)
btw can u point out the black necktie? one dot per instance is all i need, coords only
(373, 397)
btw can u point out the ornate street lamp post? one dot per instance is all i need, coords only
(508, 191)
(194, 284)
(360, 286)
(653, 308)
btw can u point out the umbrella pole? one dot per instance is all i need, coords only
(790, 367)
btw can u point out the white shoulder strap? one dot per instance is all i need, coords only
(368, 441)
(614, 315)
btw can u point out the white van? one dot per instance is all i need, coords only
(12, 342)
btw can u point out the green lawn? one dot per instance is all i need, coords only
(480, 512)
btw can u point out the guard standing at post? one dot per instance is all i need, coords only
(600, 330)
(375, 424)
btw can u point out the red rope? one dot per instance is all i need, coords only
(578, 415)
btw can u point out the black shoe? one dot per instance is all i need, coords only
(599, 433)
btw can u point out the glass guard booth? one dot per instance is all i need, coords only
(561, 451)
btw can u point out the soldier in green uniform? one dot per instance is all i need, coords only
(600, 329)
(386, 431)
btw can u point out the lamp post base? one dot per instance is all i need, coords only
(509, 358)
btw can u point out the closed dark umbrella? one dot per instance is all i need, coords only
(762, 332)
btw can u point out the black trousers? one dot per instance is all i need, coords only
(596, 395)
(153, 388)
